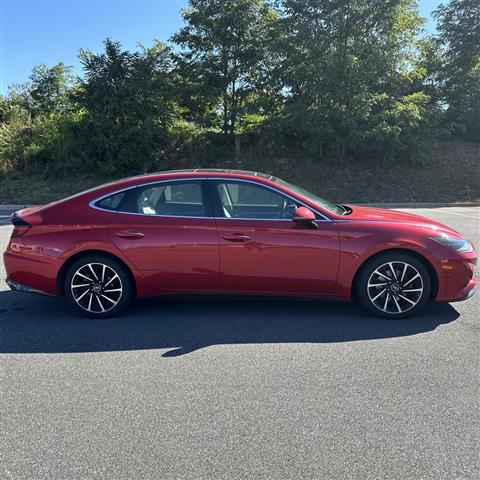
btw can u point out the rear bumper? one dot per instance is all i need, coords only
(22, 288)
(26, 273)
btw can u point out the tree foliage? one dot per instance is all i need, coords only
(458, 23)
(127, 109)
(225, 57)
(347, 68)
(328, 80)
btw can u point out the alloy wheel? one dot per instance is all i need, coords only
(96, 288)
(395, 287)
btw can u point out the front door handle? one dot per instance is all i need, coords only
(236, 237)
(131, 234)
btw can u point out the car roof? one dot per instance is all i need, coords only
(188, 173)
(146, 178)
(215, 171)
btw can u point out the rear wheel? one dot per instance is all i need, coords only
(394, 285)
(99, 287)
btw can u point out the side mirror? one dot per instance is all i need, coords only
(305, 216)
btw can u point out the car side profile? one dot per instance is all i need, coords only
(232, 232)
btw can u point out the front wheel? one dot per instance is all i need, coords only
(394, 285)
(99, 287)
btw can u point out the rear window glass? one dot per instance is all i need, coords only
(179, 199)
(112, 202)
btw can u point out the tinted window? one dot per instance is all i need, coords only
(112, 202)
(246, 200)
(179, 199)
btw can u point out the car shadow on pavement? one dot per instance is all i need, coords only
(37, 324)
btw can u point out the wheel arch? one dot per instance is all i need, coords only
(428, 265)
(71, 260)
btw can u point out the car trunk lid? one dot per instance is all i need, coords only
(23, 220)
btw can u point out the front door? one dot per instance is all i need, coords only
(261, 248)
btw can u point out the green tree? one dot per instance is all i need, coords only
(458, 23)
(225, 60)
(50, 87)
(34, 116)
(126, 100)
(429, 64)
(48, 90)
(347, 67)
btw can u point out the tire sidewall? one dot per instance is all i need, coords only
(371, 265)
(127, 294)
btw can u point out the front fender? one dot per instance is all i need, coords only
(360, 242)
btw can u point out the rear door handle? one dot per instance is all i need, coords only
(236, 237)
(132, 234)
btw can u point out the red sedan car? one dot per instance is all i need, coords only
(232, 232)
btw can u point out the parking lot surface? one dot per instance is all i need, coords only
(226, 389)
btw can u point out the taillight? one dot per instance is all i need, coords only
(20, 226)
(20, 230)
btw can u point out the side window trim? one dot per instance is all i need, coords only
(206, 199)
(217, 204)
(210, 196)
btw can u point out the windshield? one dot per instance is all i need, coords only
(337, 209)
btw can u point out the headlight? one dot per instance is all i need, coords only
(455, 243)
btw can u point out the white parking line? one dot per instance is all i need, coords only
(462, 215)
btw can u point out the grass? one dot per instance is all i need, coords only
(451, 175)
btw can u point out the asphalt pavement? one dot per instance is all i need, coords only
(227, 389)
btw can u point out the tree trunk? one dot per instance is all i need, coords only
(238, 147)
(225, 114)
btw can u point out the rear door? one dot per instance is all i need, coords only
(263, 251)
(168, 232)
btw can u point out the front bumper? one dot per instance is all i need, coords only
(467, 292)
(456, 274)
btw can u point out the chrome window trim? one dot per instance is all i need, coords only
(91, 204)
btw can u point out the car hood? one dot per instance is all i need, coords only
(369, 214)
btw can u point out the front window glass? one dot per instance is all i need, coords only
(245, 200)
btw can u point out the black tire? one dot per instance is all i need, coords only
(112, 295)
(399, 291)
